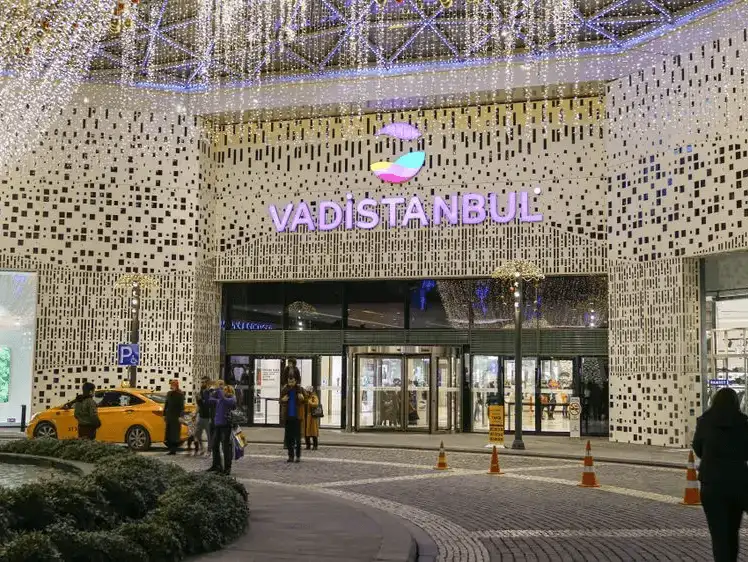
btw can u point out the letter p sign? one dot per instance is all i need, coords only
(128, 354)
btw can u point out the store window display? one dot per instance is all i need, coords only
(485, 385)
(556, 389)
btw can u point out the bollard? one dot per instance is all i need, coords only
(23, 418)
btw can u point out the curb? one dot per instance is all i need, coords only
(73, 467)
(504, 452)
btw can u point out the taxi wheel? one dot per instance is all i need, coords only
(45, 430)
(138, 438)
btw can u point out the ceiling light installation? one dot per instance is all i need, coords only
(46, 47)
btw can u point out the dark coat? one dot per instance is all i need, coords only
(173, 410)
(721, 442)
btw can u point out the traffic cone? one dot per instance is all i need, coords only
(495, 468)
(691, 496)
(589, 478)
(441, 464)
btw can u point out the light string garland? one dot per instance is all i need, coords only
(46, 48)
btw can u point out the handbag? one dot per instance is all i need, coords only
(318, 411)
(237, 417)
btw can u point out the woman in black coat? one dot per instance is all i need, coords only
(721, 441)
(173, 410)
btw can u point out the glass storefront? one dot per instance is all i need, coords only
(419, 387)
(725, 325)
(557, 302)
(548, 385)
(331, 390)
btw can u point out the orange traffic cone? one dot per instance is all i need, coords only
(589, 478)
(691, 496)
(441, 464)
(495, 468)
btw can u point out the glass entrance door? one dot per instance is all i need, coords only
(418, 392)
(393, 392)
(379, 393)
(447, 411)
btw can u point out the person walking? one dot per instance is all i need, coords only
(292, 403)
(224, 400)
(86, 412)
(173, 410)
(202, 427)
(721, 442)
(310, 423)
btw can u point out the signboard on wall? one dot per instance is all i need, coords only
(128, 354)
(575, 417)
(450, 210)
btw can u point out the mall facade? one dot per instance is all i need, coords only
(633, 203)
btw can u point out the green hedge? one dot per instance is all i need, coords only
(129, 509)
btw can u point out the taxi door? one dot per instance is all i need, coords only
(65, 422)
(115, 413)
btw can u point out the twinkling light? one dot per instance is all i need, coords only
(46, 47)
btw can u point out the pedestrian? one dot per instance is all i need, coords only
(173, 410)
(86, 412)
(289, 370)
(292, 402)
(202, 427)
(224, 400)
(311, 422)
(721, 442)
(190, 420)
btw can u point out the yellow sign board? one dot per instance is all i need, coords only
(496, 424)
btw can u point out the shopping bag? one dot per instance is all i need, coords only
(240, 443)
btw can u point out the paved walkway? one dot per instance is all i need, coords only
(290, 524)
(534, 512)
(536, 446)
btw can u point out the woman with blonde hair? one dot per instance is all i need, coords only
(224, 400)
(310, 424)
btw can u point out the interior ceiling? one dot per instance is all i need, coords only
(167, 42)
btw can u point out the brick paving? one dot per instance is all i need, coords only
(544, 445)
(534, 512)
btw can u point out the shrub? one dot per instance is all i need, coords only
(161, 539)
(129, 509)
(133, 484)
(204, 529)
(72, 450)
(94, 546)
(36, 506)
(30, 547)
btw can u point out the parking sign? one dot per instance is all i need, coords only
(128, 354)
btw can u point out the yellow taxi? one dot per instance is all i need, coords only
(128, 415)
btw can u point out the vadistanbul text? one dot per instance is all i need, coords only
(366, 214)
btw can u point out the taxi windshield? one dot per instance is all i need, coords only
(157, 397)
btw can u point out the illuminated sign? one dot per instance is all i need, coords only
(405, 167)
(366, 214)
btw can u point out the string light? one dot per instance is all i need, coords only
(46, 47)
(275, 60)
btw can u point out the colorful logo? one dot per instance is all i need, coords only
(407, 166)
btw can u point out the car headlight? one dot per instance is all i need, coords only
(36, 415)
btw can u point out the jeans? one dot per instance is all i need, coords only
(292, 437)
(222, 439)
(203, 427)
(723, 508)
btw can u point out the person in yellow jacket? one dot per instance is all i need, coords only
(310, 424)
